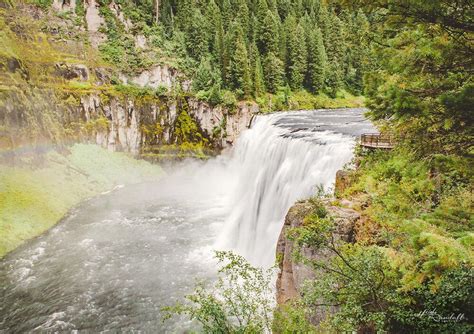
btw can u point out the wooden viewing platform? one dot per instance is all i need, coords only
(376, 140)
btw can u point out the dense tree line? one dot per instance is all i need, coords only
(257, 46)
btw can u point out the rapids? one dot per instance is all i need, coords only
(117, 259)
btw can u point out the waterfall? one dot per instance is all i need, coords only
(281, 159)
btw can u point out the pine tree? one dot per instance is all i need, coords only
(213, 21)
(257, 71)
(226, 13)
(196, 36)
(323, 24)
(243, 16)
(272, 6)
(297, 55)
(184, 14)
(288, 29)
(273, 72)
(268, 38)
(253, 29)
(220, 53)
(284, 7)
(356, 28)
(335, 54)
(206, 76)
(317, 61)
(261, 9)
(239, 65)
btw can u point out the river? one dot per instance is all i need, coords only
(117, 259)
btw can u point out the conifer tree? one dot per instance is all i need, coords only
(184, 14)
(289, 27)
(284, 7)
(220, 53)
(297, 56)
(253, 29)
(273, 72)
(261, 9)
(206, 76)
(258, 80)
(268, 37)
(316, 61)
(323, 24)
(243, 16)
(335, 54)
(239, 65)
(355, 61)
(166, 16)
(226, 13)
(272, 6)
(213, 22)
(196, 36)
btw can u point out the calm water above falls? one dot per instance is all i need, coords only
(120, 257)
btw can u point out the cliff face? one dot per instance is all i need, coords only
(128, 121)
(292, 274)
(55, 88)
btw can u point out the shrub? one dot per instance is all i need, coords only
(238, 302)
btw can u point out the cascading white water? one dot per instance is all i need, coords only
(275, 165)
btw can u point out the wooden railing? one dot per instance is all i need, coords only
(377, 140)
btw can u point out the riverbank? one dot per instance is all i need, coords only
(38, 190)
(397, 233)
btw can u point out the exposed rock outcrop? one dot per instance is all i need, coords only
(103, 76)
(123, 132)
(73, 71)
(71, 101)
(216, 118)
(127, 119)
(115, 8)
(159, 75)
(293, 275)
(94, 22)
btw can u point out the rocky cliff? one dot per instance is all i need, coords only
(293, 274)
(132, 125)
(55, 88)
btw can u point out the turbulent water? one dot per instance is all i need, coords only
(117, 259)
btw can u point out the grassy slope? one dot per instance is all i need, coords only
(32, 199)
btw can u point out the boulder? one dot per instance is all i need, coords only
(103, 76)
(72, 71)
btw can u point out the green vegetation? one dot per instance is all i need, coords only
(238, 302)
(265, 48)
(422, 80)
(269, 45)
(303, 100)
(413, 253)
(39, 189)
